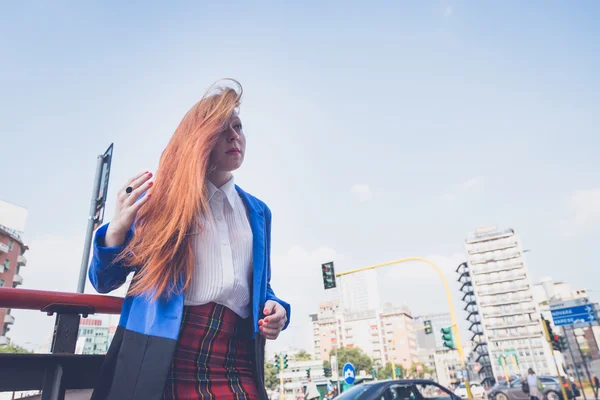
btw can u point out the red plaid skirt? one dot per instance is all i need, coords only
(214, 356)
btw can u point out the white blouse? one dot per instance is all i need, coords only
(223, 253)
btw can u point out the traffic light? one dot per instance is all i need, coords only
(563, 343)
(277, 362)
(327, 372)
(308, 373)
(448, 338)
(285, 361)
(328, 275)
(555, 342)
(428, 329)
(398, 371)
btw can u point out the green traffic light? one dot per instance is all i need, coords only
(448, 338)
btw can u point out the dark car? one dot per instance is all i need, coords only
(514, 390)
(409, 389)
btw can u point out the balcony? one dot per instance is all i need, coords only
(513, 336)
(9, 319)
(506, 300)
(498, 268)
(17, 280)
(3, 248)
(21, 261)
(512, 324)
(505, 289)
(513, 311)
(500, 246)
(501, 279)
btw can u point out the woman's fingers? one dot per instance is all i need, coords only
(138, 191)
(140, 203)
(133, 179)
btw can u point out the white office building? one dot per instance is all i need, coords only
(509, 315)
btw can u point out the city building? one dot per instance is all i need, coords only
(360, 292)
(500, 302)
(12, 259)
(383, 333)
(447, 368)
(93, 336)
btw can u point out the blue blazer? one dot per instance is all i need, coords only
(143, 318)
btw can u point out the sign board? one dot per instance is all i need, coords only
(573, 312)
(334, 368)
(103, 188)
(569, 303)
(349, 373)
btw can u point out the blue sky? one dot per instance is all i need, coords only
(375, 130)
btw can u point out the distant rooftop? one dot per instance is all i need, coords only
(16, 235)
(488, 233)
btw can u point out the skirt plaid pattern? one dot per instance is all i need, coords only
(214, 356)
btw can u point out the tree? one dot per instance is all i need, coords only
(355, 356)
(11, 348)
(326, 364)
(271, 379)
(302, 355)
(386, 372)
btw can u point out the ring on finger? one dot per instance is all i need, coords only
(129, 190)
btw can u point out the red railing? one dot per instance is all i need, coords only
(61, 370)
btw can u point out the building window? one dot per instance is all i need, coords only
(11, 243)
(1, 282)
(6, 264)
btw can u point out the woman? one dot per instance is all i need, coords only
(200, 304)
(532, 382)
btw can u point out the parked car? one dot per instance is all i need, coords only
(407, 389)
(514, 390)
(476, 388)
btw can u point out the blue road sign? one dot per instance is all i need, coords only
(573, 315)
(349, 373)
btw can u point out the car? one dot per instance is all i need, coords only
(514, 390)
(404, 389)
(477, 390)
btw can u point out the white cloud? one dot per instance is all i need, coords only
(472, 183)
(361, 192)
(583, 212)
(449, 197)
(469, 184)
(448, 12)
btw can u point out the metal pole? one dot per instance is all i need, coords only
(573, 362)
(587, 371)
(456, 331)
(337, 344)
(547, 336)
(90, 228)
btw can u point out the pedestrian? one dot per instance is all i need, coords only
(200, 306)
(532, 382)
(596, 383)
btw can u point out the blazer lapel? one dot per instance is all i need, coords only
(258, 225)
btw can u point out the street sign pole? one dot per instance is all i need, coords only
(574, 364)
(585, 366)
(96, 213)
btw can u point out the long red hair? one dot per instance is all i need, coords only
(161, 246)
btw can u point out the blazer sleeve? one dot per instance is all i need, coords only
(270, 293)
(106, 275)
